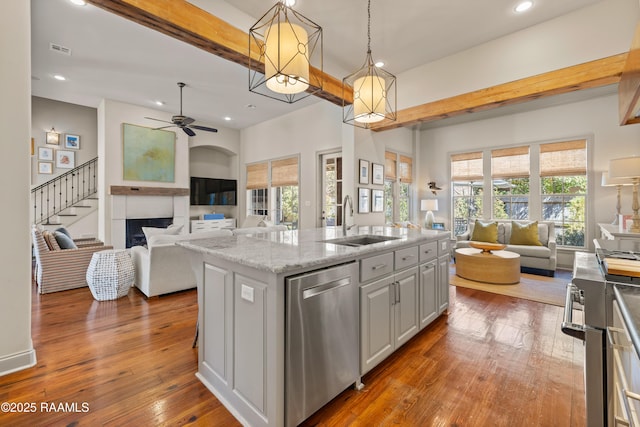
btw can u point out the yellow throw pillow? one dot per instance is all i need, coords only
(485, 232)
(524, 234)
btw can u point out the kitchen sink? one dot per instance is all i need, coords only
(367, 239)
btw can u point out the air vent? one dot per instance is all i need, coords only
(60, 49)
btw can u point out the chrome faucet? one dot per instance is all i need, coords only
(347, 199)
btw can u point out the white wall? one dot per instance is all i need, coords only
(305, 132)
(598, 31)
(16, 347)
(111, 116)
(66, 118)
(595, 119)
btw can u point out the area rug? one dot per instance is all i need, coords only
(547, 290)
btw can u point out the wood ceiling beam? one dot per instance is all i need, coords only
(629, 87)
(184, 21)
(600, 72)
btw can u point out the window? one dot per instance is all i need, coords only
(276, 197)
(510, 183)
(563, 174)
(466, 179)
(398, 177)
(332, 189)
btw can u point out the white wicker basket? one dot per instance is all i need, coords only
(110, 274)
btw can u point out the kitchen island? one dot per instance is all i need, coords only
(400, 283)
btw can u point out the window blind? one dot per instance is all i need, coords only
(257, 176)
(284, 172)
(390, 165)
(466, 166)
(406, 169)
(510, 162)
(563, 158)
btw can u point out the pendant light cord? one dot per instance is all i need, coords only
(369, 27)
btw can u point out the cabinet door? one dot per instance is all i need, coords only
(443, 283)
(428, 293)
(376, 323)
(407, 322)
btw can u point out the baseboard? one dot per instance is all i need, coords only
(17, 362)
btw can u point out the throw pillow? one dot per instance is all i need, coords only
(64, 231)
(64, 241)
(253, 221)
(156, 231)
(485, 232)
(49, 239)
(524, 234)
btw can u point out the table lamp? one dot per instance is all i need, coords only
(607, 181)
(428, 205)
(629, 167)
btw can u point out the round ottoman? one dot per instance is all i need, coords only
(110, 274)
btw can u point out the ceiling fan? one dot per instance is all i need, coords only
(183, 122)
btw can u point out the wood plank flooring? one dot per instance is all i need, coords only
(492, 361)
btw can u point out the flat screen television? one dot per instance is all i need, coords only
(213, 192)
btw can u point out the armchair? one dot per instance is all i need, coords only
(61, 269)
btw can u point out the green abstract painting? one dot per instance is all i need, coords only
(149, 154)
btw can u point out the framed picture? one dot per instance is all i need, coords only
(72, 141)
(438, 226)
(45, 153)
(45, 168)
(53, 138)
(65, 159)
(363, 200)
(377, 200)
(364, 172)
(377, 174)
(149, 154)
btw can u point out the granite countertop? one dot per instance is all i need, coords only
(283, 251)
(628, 298)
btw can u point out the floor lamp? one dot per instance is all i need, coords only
(607, 181)
(629, 168)
(428, 205)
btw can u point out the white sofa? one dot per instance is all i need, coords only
(534, 259)
(164, 267)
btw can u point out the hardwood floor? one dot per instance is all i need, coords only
(492, 361)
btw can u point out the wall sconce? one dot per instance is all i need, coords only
(53, 137)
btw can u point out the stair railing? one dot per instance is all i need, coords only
(64, 191)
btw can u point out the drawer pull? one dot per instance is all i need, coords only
(378, 267)
(404, 258)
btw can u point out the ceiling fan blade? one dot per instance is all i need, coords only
(158, 120)
(204, 128)
(188, 131)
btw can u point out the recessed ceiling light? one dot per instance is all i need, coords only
(59, 77)
(251, 106)
(227, 118)
(523, 6)
(379, 64)
(160, 103)
(79, 2)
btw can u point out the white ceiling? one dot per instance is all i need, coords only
(114, 58)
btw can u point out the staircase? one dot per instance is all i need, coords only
(66, 198)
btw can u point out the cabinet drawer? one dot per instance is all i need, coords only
(428, 251)
(376, 266)
(443, 247)
(406, 257)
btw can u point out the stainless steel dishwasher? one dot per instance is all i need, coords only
(321, 338)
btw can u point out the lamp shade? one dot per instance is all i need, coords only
(369, 99)
(429, 205)
(286, 63)
(607, 181)
(626, 167)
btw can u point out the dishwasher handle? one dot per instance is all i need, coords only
(325, 287)
(568, 327)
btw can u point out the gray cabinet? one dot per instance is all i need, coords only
(444, 256)
(429, 306)
(388, 316)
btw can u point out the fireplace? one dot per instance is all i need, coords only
(134, 235)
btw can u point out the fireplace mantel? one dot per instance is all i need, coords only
(121, 190)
